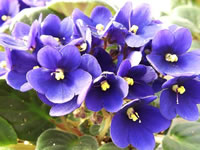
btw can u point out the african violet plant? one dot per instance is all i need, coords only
(83, 82)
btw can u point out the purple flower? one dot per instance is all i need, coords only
(180, 96)
(107, 91)
(100, 18)
(169, 53)
(138, 24)
(60, 30)
(8, 9)
(138, 78)
(20, 62)
(135, 124)
(59, 78)
(34, 3)
(4, 62)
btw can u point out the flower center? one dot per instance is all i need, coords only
(180, 90)
(3, 64)
(105, 85)
(99, 28)
(5, 18)
(171, 57)
(83, 47)
(36, 67)
(129, 80)
(134, 29)
(59, 74)
(133, 115)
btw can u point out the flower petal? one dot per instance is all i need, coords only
(71, 58)
(124, 68)
(101, 15)
(63, 109)
(49, 57)
(183, 41)
(20, 30)
(168, 104)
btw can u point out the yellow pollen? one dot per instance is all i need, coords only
(171, 57)
(3, 64)
(59, 74)
(130, 81)
(83, 47)
(36, 67)
(134, 29)
(57, 39)
(133, 115)
(99, 28)
(180, 90)
(5, 18)
(105, 85)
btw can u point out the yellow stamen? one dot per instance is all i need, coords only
(180, 90)
(3, 64)
(105, 85)
(171, 57)
(133, 115)
(134, 29)
(36, 67)
(130, 81)
(5, 18)
(83, 47)
(99, 28)
(59, 74)
(57, 39)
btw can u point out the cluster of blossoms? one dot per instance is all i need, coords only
(116, 63)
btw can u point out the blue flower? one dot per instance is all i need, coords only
(138, 78)
(180, 96)
(4, 62)
(107, 91)
(100, 18)
(135, 124)
(8, 9)
(169, 53)
(138, 23)
(59, 78)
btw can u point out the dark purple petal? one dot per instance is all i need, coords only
(22, 61)
(91, 65)
(139, 90)
(94, 100)
(124, 14)
(137, 72)
(66, 29)
(17, 80)
(168, 104)
(49, 57)
(187, 109)
(141, 16)
(152, 119)
(162, 42)
(141, 138)
(183, 41)
(51, 25)
(65, 108)
(20, 30)
(71, 58)
(119, 130)
(124, 67)
(101, 15)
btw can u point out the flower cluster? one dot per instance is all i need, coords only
(116, 63)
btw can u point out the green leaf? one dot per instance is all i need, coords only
(195, 45)
(57, 140)
(7, 133)
(66, 7)
(187, 16)
(184, 136)
(94, 129)
(24, 111)
(110, 146)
